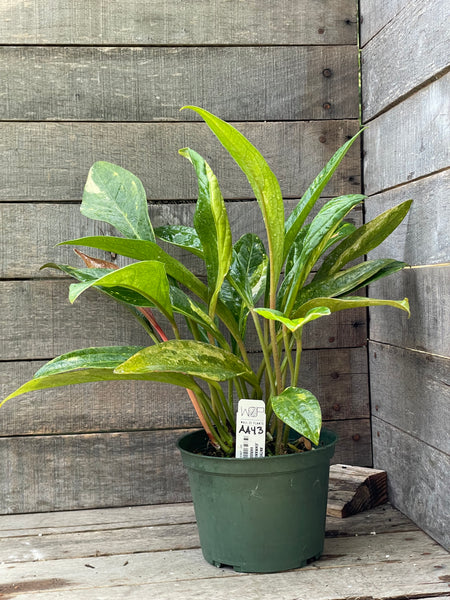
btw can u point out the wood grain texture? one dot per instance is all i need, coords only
(173, 22)
(418, 40)
(62, 472)
(355, 489)
(423, 237)
(50, 161)
(417, 477)
(411, 390)
(377, 14)
(152, 84)
(428, 293)
(337, 377)
(410, 140)
(167, 575)
(56, 326)
(47, 224)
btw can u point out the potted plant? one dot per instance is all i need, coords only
(302, 274)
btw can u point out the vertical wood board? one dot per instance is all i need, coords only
(152, 84)
(410, 140)
(418, 39)
(411, 391)
(50, 161)
(377, 14)
(418, 479)
(174, 22)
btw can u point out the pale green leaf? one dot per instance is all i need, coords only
(116, 196)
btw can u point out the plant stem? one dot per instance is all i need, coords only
(287, 348)
(298, 357)
(265, 351)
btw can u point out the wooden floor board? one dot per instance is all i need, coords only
(153, 552)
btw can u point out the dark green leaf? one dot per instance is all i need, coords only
(181, 236)
(364, 239)
(299, 409)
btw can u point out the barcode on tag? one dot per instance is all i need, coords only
(250, 429)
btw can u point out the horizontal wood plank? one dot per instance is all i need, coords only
(47, 224)
(418, 38)
(337, 377)
(95, 320)
(423, 237)
(384, 519)
(417, 477)
(50, 161)
(65, 472)
(152, 84)
(374, 17)
(173, 22)
(171, 575)
(428, 292)
(409, 141)
(411, 390)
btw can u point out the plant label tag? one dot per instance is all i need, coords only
(251, 429)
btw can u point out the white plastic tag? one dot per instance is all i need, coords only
(250, 429)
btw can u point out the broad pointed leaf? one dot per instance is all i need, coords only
(248, 269)
(147, 278)
(145, 250)
(312, 194)
(181, 236)
(348, 281)
(299, 409)
(345, 302)
(364, 239)
(191, 358)
(116, 196)
(91, 365)
(264, 184)
(212, 225)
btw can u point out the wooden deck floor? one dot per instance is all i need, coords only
(152, 552)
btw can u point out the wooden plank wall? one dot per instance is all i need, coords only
(405, 105)
(90, 81)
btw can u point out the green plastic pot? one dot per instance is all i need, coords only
(259, 515)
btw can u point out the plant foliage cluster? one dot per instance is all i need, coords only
(303, 274)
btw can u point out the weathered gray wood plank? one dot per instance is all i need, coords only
(418, 39)
(338, 551)
(62, 472)
(423, 237)
(376, 15)
(151, 84)
(155, 576)
(173, 22)
(47, 224)
(382, 519)
(418, 478)
(410, 140)
(428, 292)
(411, 390)
(50, 161)
(337, 377)
(96, 320)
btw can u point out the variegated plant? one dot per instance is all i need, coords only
(279, 287)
